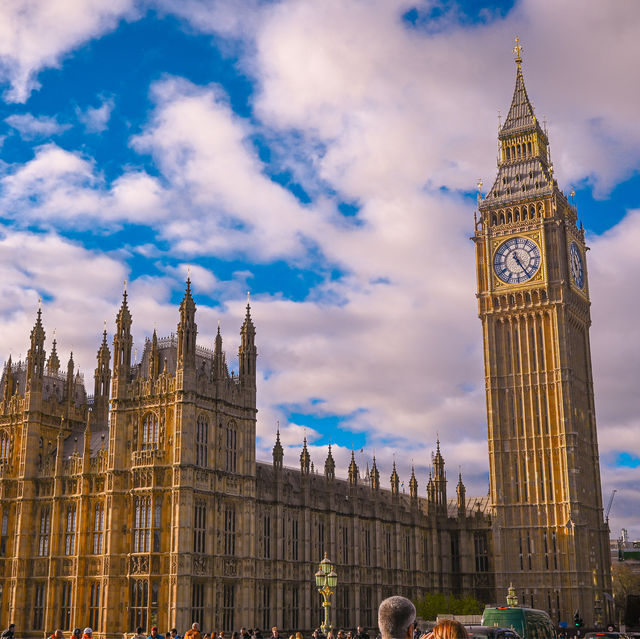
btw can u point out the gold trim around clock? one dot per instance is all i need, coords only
(540, 274)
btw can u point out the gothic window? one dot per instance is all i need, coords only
(508, 348)
(529, 148)
(265, 605)
(516, 217)
(228, 605)
(291, 611)
(521, 553)
(366, 547)
(70, 531)
(39, 599)
(494, 219)
(231, 457)
(266, 536)
(529, 550)
(157, 524)
(517, 480)
(150, 432)
(524, 213)
(43, 533)
(199, 527)
(509, 217)
(197, 603)
(546, 553)
(532, 212)
(138, 604)
(387, 548)
(455, 551)
(407, 552)
(4, 532)
(202, 439)
(501, 218)
(508, 153)
(425, 553)
(229, 531)
(320, 538)
(532, 350)
(65, 605)
(345, 544)
(141, 526)
(94, 605)
(294, 542)
(554, 545)
(4, 447)
(541, 478)
(98, 529)
(481, 552)
(549, 479)
(537, 409)
(366, 605)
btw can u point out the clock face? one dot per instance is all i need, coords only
(516, 260)
(575, 259)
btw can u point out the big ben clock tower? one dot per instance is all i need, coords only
(533, 294)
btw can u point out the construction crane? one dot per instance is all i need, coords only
(606, 515)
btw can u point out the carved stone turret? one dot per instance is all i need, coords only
(330, 466)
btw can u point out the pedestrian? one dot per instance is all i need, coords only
(234, 635)
(396, 618)
(9, 632)
(154, 633)
(77, 634)
(56, 635)
(221, 634)
(274, 633)
(174, 634)
(139, 633)
(449, 629)
(361, 633)
(298, 635)
(257, 634)
(244, 634)
(193, 632)
(87, 633)
(167, 635)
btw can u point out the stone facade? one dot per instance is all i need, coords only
(144, 504)
(533, 293)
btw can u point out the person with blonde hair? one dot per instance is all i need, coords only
(449, 629)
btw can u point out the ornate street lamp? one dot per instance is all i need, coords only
(326, 581)
(512, 598)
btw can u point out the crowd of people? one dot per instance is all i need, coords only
(396, 620)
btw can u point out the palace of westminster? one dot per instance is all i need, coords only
(143, 504)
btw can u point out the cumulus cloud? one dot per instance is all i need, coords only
(31, 127)
(29, 43)
(96, 119)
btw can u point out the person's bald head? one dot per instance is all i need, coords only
(396, 615)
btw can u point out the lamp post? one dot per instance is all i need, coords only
(326, 581)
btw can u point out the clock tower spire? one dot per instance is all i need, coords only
(533, 297)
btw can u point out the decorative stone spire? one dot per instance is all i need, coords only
(461, 497)
(413, 485)
(374, 476)
(395, 480)
(36, 354)
(102, 379)
(122, 345)
(219, 369)
(278, 452)
(353, 470)
(330, 466)
(431, 491)
(53, 363)
(305, 459)
(154, 358)
(439, 478)
(70, 384)
(187, 331)
(247, 353)
(7, 383)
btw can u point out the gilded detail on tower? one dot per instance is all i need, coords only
(549, 535)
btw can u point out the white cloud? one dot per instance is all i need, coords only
(38, 34)
(96, 119)
(31, 127)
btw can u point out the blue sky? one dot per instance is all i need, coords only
(323, 156)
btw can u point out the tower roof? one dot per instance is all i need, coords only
(521, 115)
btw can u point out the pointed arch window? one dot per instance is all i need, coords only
(4, 447)
(150, 431)
(70, 531)
(231, 449)
(98, 528)
(202, 441)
